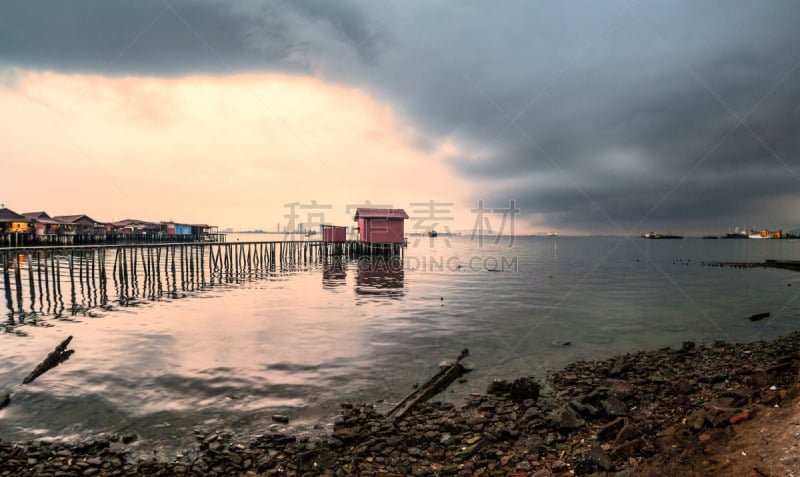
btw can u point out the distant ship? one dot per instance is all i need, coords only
(735, 235)
(552, 234)
(653, 235)
(432, 233)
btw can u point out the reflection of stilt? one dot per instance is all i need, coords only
(7, 286)
(148, 271)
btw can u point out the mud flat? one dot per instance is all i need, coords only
(726, 409)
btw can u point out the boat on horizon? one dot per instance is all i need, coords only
(654, 235)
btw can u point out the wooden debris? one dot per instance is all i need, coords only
(759, 316)
(432, 387)
(56, 357)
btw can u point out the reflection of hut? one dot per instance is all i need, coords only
(378, 276)
(334, 272)
(380, 225)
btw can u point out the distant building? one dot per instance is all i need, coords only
(380, 225)
(81, 224)
(334, 233)
(12, 222)
(172, 228)
(43, 225)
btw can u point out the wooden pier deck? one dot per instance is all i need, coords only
(35, 279)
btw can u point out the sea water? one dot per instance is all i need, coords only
(300, 341)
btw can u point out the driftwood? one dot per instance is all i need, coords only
(432, 387)
(56, 357)
(53, 359)
(759, 316)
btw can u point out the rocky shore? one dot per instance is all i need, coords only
(664, 412)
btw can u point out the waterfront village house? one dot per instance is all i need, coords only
(43, 225)
(202, 229)
(12, 222)
(333, 233)
(135, 228)
(380, 225)
(171, 228)
(81, 224)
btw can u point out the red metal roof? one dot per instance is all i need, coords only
(77, 219)
(42, 218)
(8, 215)
(380, 214)
(134, 223)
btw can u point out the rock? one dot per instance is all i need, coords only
(614, 407)
(280, 418)
(499, 387)
(565, 418)
(523, 389)
(601, 459)
(737, 418)
(610, 429)
(627, 433)
(620, 366)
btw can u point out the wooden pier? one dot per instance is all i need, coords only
(74, 280)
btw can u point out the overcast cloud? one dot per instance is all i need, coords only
(592, 115)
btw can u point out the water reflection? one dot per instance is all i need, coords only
(380, 276)
(74, 282)
(334, 273)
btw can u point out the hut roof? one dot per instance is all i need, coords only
(133, 222)
(77, 219)
(42, 218)
(8, 215)
(380, 213)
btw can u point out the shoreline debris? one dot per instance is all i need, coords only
(438, 383)
(53, 359)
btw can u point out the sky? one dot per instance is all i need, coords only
(583, 117)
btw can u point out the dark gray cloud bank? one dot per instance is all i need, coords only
(609, 116)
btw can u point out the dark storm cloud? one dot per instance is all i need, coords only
(622, 111)
(175, 37)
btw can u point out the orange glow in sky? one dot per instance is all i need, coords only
(227, 151)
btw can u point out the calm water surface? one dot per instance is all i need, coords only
(298, 343)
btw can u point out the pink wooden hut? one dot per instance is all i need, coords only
(334, 233)
(380, 225)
